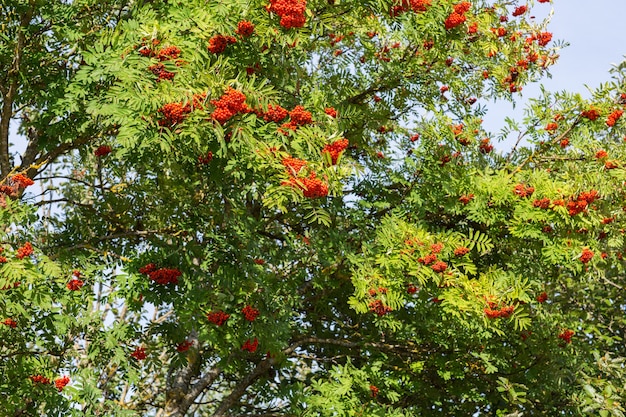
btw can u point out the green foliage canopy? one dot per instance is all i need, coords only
(292, 208)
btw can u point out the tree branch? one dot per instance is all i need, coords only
(12, 91)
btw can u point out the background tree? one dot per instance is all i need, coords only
(292, 208)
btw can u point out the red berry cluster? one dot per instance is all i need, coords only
(458, 17)
(274, 113)
(485, 146)
(461, 251)
(428, 259)
(586, 255)
(378, 307)
(335, 149)
(439, 266)
(168, 53)
(293, 165)
(232, 102)
(24, 251)
(75, 284)
(161, 276)
(10, 322)
(102, 150)
(374, 391)
(184, 346)
(160, 72)
(139, 353)
(219, 42)
(551, 127)
(245, 29)
(291, 12)
(22, 180)
(542, 38)
(591, 114)
(146, 50)
(523, 191)
(10, 286)
(542, 203)
(205, 159)
(174, 113)
(331, 112)
(164, 54)
(520, 10)
(61, 382)
(580, 203)
(614, 117)
(493, 312)
(312, 187)
(298, 117)
(250, 313)
(406, 5)
(466, 198)
(218, 317)
(40, 379)
(250, 346)
(566, 335)
(541, 298)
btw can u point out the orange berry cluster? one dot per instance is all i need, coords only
(291, 12)
(218, 317)
(161, 276)
(335, 149)
(311, 186)
(493, 312)
(457, 17)
(406, 5)
(231, 103)
(250, 346)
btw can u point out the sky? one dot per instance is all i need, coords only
(596, 33)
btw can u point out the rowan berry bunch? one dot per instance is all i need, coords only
(10, 322)
(102, 150)
(494, 310)
(245, 29)
(139, 353)
(24, 251)
(291, 12)
(403, 6)
(40, 379)
(219, 42)
(61, 382)
(231, 103)
(298, 117)
(335, 149)
(580, 203)
(566, 335)
(614, 117)
(274, 113)
(250, 345)
(311, 186)
(250, 313)
(379, 308)
(184, 346)
(162, 276)
(174, 113)
(457, 17)
(219, 318)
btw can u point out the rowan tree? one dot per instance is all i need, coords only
(291, 208)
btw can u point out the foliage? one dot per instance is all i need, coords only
(292, 208)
